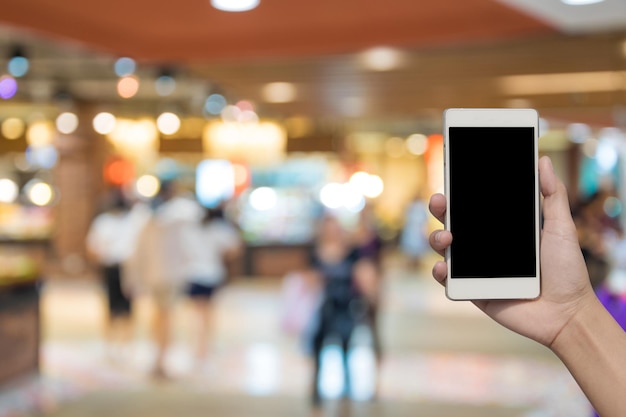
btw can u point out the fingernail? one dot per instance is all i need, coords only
(437, 236)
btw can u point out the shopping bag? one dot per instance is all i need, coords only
(300, 296)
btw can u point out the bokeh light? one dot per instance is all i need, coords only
(331, 195)
(147, 186)
(245, 105)
(279, 92)
(165, 85)
(382, 59)
(375, 187)
(263, 198)
(38, 192)
(124, 67)
(578, 132)
(8, 190)
(168, 123)
(606, 156)
(215, 182)
(214, 104)
(104, 123)
(45, 156)
(242, 112)
(40, 133)
(18, 66)
(118, 171)
(368, 185)
(248, 116)
(8, 87)
(128, 86)
(13, 128)
(231, 114)
(353, 199)
(417, 144)
(67, 122)
(241, 177)
(612, 207)
(610, 140)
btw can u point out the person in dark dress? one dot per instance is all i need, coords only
(347, 279)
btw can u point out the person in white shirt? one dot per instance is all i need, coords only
(208, 248)
(110, 241)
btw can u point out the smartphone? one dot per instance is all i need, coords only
(493, 204)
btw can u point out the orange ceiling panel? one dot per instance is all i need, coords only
(191, 30)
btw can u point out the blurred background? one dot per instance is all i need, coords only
(280, 113)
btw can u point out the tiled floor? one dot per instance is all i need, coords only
(441, 359)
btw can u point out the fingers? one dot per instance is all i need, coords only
(555, 204)
(437, 206)
(440, 271)
(547, 177)
(439, 240)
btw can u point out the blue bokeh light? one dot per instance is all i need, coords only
(125, 66)
(214, 104)
(18, 66)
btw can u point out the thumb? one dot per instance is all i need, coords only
(555, 203)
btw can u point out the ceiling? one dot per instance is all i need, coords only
(455, 54)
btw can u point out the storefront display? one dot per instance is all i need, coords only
(277, 215)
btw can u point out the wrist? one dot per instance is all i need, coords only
(583, 315)
(592, 345)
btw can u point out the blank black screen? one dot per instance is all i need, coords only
(492, 202)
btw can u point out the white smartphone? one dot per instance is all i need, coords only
(493, 205)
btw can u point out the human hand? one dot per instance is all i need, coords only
(566, 289)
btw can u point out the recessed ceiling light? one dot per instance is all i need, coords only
(382, 58)
(235, 5)
(580, 2)
(279, 92)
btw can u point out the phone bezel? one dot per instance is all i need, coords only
(504, 287)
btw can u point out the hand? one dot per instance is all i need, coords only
(566, 289)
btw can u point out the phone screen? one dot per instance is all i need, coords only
(492, 202)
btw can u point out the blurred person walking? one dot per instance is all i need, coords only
(349, 288)
(414, 236)
(156, 267)
(208, 248)
(110, 241)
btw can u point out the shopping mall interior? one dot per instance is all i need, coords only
(279, 113)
